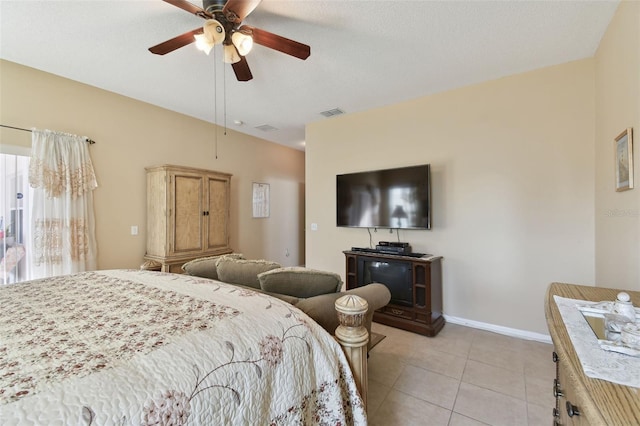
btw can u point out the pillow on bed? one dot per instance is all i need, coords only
(242, 271)
(206, 266)
(300, 282)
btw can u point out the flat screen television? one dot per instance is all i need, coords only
(397, 198)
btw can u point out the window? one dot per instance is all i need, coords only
(14, 218)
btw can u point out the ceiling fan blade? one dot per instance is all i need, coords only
(279, 43)
(236, 10)
(175, 43)
(241, 68)
(189, 7)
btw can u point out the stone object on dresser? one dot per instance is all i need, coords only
(623, 306)
(312, 291)
(630, 335)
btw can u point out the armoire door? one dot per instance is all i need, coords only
(218, 213)
(188, 213)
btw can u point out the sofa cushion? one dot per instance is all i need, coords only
(242, 271)
(206, 266)
(300, 282)
(284, 297)
(322, 308)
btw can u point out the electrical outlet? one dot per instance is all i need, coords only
(314, 226)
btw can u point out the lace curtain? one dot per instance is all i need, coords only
(63, 226)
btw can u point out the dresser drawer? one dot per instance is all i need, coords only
(569, 403)
(398, 312)
(568, 410)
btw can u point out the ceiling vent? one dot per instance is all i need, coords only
(266, 128)
(332, 112)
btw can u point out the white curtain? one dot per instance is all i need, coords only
(63, 226)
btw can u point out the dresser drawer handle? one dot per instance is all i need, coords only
(397, 311)
(572, 410)
(556, 389)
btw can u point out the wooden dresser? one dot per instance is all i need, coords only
(581, 400)
(187, 216)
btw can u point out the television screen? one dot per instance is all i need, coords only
(396, 275)
(392, 198)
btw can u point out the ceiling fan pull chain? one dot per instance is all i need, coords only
(215, 104)
(224, 97)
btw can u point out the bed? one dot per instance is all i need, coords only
(133, 347)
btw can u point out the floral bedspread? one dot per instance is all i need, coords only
(128, 347)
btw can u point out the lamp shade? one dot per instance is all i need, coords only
(399, 213)
(243, 42)
(203, 43)
(213, 33)
(230, 54)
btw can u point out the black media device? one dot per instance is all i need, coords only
(397, 198)
(394, 250)
(393, 247)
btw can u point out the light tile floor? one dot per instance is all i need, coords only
(461, 377)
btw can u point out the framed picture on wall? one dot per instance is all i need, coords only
(260, 199)
(624, 160)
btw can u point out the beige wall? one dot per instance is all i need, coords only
(132, 135)
(617, 71)
(513, 170)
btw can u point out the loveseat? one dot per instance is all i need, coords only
(312, 291)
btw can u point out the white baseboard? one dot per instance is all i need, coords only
(513, 332)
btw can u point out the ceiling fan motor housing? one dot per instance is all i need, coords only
(213, 6)
(215, 9)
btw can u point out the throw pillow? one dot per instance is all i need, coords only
(300, 282)
(242, 271)
(206, 266)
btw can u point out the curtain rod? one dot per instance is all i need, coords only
(89, 141)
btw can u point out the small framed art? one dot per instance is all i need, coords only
(624, 160)
(260, 199)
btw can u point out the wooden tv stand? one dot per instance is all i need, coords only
(425, 316)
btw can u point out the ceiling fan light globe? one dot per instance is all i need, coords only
(203, 43)
(214, 31)
(231, 55)
(242, 42)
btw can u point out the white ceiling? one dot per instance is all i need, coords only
(364, 54)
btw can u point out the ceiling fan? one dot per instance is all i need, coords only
(223, 26)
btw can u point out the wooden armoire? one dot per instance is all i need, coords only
(187, 216)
